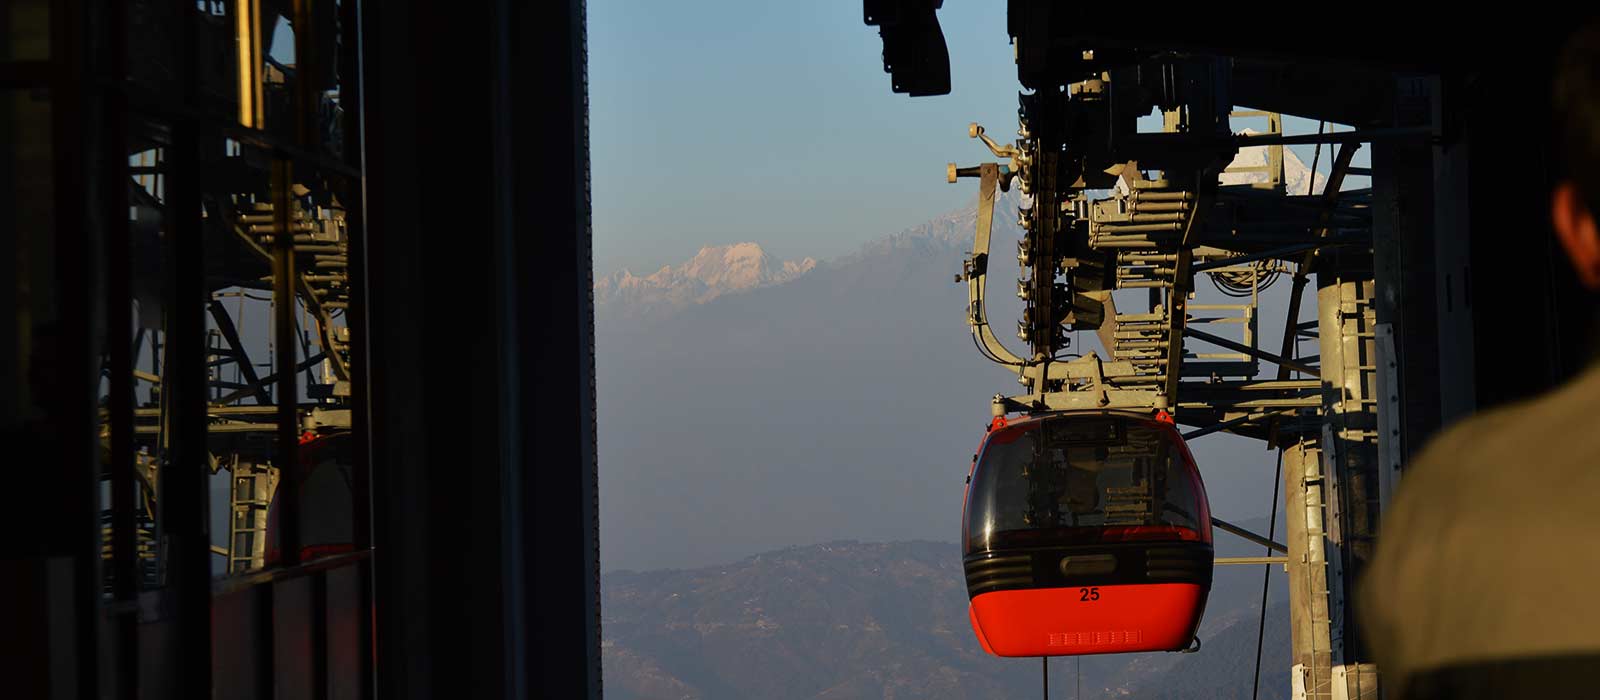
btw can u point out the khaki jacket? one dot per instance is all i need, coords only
(1486, 579)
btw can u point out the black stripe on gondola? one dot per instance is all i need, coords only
(1101, 564)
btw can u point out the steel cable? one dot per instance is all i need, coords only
(1266, 576)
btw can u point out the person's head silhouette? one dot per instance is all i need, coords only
(1575, 201)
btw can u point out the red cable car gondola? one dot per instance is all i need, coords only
(1086, 532)
(326, 499)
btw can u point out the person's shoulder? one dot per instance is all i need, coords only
(1548, 421)
(1468, 441)
(1502, 481)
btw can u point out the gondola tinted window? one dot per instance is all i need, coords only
(1079, 478)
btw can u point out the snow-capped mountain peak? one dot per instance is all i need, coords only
(1296, 174)
(711, 273)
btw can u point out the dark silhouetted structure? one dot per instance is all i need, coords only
(235, 227)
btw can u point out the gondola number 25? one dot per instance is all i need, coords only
(1087, 594)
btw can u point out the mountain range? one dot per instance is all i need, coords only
(851, 619)
(839, 404)
(748, 404)
(1297, 176)
(716, 271)
(711, 273)
(754, 405)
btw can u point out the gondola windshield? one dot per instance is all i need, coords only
(1082, 479)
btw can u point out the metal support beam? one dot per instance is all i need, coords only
(259, 384)
(1344, 137)
(1178, 315)
(1253, 537)
(1282, 362)
(1226, 561)
(518, 612)
(1346, 314)
(283, 329)
(183, 478)
(1270, 254)
(1407, 350)
(1311, 650)
(241, 357)
(1452, 263)
(122, 347)
(1330, 201)
(1230, 423)
(51, 288)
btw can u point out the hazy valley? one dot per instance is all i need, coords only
(753, 405)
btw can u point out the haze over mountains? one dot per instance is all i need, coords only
(748, 404)
(842, 404)
(851, 619)
(741, 267)
(751, 405)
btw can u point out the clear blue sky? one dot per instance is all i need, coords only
(725, 120)
(722, 121)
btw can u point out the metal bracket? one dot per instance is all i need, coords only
(1253, 537)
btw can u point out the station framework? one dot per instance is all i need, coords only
(1427, 291)
(235, 226)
